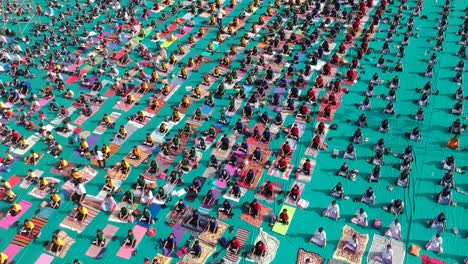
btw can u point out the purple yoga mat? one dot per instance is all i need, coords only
(93, 140)
(215, 197)
(178, 234)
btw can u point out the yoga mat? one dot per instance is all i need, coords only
(207, 251)
(109, 232)
(125, 252)
(272, 246)
(215, 193)
(24, 241)
(303, 255)
(191, 196)
(12, 250)
(154, 209)
(9, 220)
(379, 243)
(232, 198)
(262, 215)
(289, 200)
(46, 212)
(44, 259)
(277, 189)
(345, 255)
(243, 236)
(280, 228)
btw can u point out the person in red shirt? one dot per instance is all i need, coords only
(319, 82)
(316, 142)
(63, 111)
(306, 167)
(286, 149)
(284, 217)
(311, 96)
(282, 164)
(268, 189)
(293, 132)
(255, 208)
(295, 193)
(259, 249)
(326, 69)
(234, 245)
(303, 111)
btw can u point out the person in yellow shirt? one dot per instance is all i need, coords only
(55, 200)
(140, 117)
(10, 196)
(172, 59)
(56, 244)
(57, 151)
(62, 164)
(3, 258)
(130, 99)
(164, 67)
(15, 209)
(28, 228)
(84, 147)
(81, 213)
(154, 77)
(124, 167)
(184, 73)
(250, 8)
(23, 144)
(185, 102)
(107, 122)
(43, 183)
(76, 175)
(176, 116)
(5, 185)
(106, 151)
(33, 158)
(144, 88)
(149, 141)
(166, 89)
(163, 128)
(197, 92)
(136, 153)
(180, 50)
(270, 11)
(230, 30)
(8, 158)
(155, 104)
(109, 186)
(32, 177)
(122, 134)
(206, 79)
(191, 62)
(254, 28)
(236, 22)
(216, 72)
(191, 39)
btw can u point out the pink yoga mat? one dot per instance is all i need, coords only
(43, 101)
(12, 250)
(9, 220)
(109, 232)
(125, 251)
(44, 259)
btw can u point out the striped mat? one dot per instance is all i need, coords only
(242, 235)
(24, 241)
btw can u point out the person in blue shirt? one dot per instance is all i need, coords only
(248, 111)
(244, 146)
(196, 250)
(170, 243)
(53, 106)
(196, 186)
(212, 225)
(180, 207)
(257, 154)
(266, 136)
(208, 200)
(264, 118)
(239, 127)
(235, 190)
(225, 208)
(194, 220)
(279, 119)
(213, 162)
(224, 143)
(233, 160)
(225, 176)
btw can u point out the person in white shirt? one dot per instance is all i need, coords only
(352, 244)
(333, 211)
(386, 255)
(394, 230)
(360, 218)
(147, 197)
(3, 40)
(79, 193)
(435, 244)
(320, 237)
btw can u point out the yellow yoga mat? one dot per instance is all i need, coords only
(166, 43)
(280, 228)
